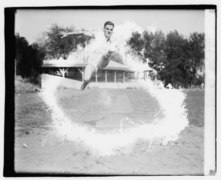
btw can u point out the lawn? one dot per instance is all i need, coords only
(195, 106)
(37, 149)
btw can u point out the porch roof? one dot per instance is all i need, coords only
(78, 64)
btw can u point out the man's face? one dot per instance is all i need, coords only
(108, 31)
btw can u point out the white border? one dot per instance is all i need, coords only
(209, 125)
(41, 3)
(32, 3)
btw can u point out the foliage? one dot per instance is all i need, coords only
(137, 43)
(57, 47)
(176, 59)
(196, 55)
(154, 49)
(28, 59)
(175, 51)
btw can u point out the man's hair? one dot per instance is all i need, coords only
(108, 23)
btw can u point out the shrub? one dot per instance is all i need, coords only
(29, 59)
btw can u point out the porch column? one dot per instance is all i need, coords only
(96, 76)
(82, 74)
(123, 76)
(63, 71)
(105, 76)
(115, 77)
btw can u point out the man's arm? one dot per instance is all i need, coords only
(76, 33)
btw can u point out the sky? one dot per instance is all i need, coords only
(32, 23)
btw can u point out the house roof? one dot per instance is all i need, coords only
(73, 63)
(69, 63)
(62, 63)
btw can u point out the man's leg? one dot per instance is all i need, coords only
(116, 57)
(88, 73)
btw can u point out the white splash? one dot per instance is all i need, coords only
(162, 130)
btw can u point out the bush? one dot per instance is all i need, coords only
(29, 59)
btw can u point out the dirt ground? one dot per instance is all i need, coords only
(39, 150)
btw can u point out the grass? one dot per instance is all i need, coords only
(46, 153)
(32, 112)
(24, 86)
(194, 104)
(97, 103)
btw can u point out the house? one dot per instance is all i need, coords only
(74, 69)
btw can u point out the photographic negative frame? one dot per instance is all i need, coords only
(209, 151)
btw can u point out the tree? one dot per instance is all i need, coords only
(155, 49)
(196, 54)
(176, 57)
(136, 43)
(149, 46)
(148, 40)
(28, 59)
(21, 51)
(55, 46)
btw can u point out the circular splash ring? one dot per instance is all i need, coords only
(161, 130)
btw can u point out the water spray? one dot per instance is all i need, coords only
(161, 130)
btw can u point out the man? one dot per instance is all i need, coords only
(100, 52)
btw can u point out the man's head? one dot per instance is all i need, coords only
(108, 29)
